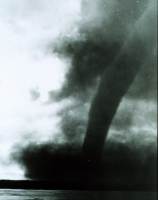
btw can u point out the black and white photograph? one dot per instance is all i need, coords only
(78, 99)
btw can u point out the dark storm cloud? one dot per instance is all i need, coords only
(73, 121)
(145, 84)
(112, 48)
(106, 56)
(89, 58)
(122, 164)
(101, 36)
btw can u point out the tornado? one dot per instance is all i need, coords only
(115, 42)
(115, 82)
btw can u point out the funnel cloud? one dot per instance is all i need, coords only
(112, 64)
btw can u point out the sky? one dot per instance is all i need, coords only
(29, 70)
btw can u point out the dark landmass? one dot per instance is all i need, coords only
(66, 185)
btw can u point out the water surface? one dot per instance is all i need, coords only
(9, 194)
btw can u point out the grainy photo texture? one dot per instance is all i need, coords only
(78, 99)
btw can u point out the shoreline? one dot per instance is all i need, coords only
(66, 185)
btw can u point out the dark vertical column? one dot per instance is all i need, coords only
(114, 84)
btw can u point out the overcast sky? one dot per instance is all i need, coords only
(29, 70)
